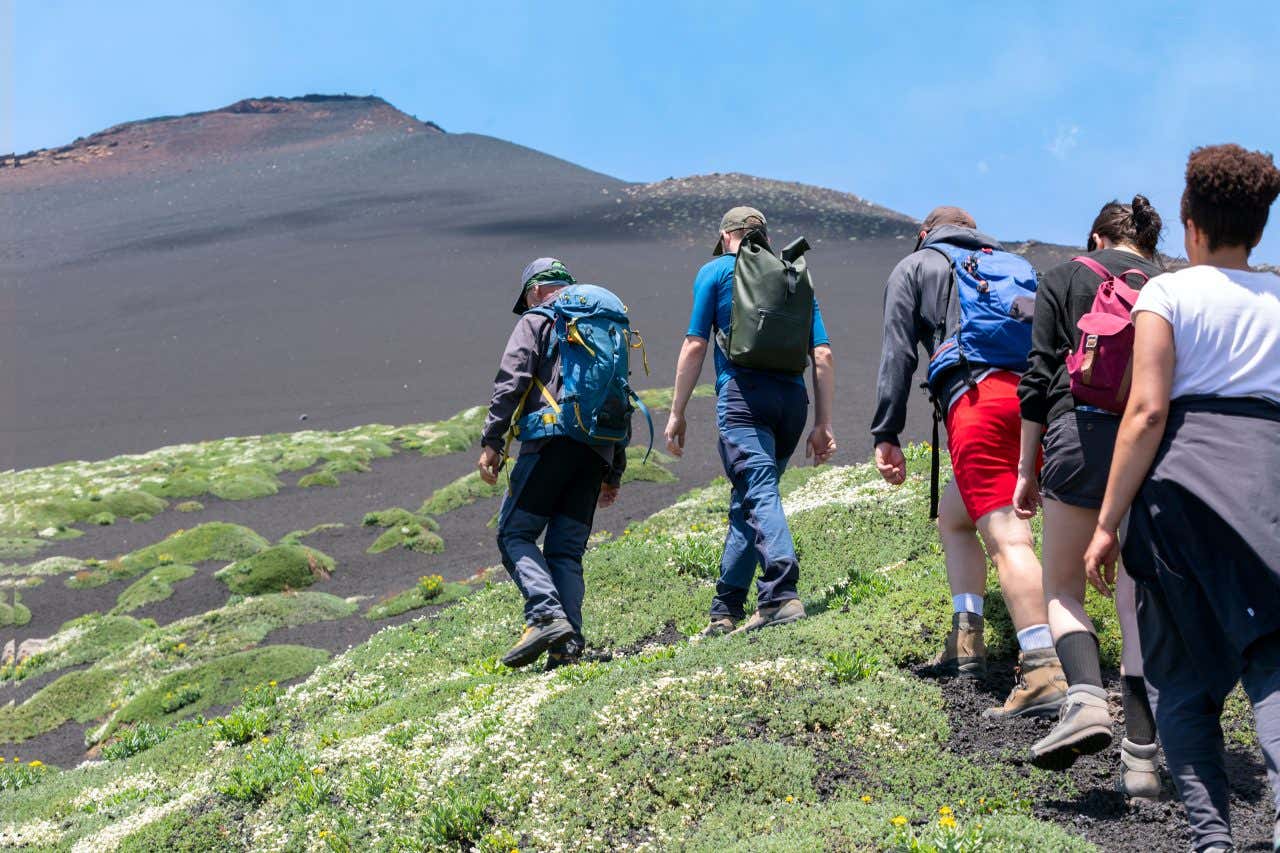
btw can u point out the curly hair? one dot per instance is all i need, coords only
(1229, 193)
(1137, 224)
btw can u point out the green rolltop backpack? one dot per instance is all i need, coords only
(772, 317)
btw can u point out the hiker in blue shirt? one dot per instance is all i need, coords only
(761, 416)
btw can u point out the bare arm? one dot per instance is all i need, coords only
(1026, 494)
(688, 367)
(1137, 441)
(822, 441)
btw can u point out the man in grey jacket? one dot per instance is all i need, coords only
(555, 484)
(983, 428)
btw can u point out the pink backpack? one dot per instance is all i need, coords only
(1101, 368)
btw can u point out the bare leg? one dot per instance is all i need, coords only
(966, 564)
(1009, 542)
(1067, 531)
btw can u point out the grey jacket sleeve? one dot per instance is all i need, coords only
(898, 356)
(519, 365)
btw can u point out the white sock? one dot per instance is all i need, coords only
(967, 602)
(1035, 637)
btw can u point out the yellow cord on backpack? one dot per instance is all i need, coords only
(644, 356)
(573, 336)
(513, 432)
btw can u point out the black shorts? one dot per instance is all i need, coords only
(1077, 457)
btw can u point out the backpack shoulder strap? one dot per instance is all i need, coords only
(1095, 267)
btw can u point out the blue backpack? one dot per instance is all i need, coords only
(997, 292)
(593, 337)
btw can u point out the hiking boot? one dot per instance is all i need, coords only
(535, 640)
(718, 627)
(567, 653)
(769, 615)
(1084, 727)
(965, 652)
(1139, 776)
(1040, 691)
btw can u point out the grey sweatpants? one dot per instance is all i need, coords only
(1188, 707)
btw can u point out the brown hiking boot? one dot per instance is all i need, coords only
(1139, 776)
(785, 613)
(535, 640)
(1084, 727)
(965, 652)
(717, 627)
(1040, 691)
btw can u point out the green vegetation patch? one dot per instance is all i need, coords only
(651, 471)
(85, 639)
(189, 506)
(396, 517)
(215, 831)
(430, 589)
(217, 682)
(412, 536)
(44, 568)
(156, 585)
(463, 491)
(324, 478)
(660, 398)
(13, 613)
(216, 540)
(276, 569)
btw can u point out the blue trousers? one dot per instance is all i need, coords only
(553, 490)
(761, 419)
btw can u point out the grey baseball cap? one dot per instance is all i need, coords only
(541, 271)
(738, 218)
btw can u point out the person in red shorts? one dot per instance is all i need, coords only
(983, 430)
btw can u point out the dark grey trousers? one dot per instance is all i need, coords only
(1188, 707)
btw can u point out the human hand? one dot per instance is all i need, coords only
(891, 463)
(489, 462)
(675, 434)
(821, 445)
(608, 494)
(1026, 496)
(1100, 560)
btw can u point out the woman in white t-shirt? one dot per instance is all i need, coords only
(1197, 469)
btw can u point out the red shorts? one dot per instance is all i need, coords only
(984, 430)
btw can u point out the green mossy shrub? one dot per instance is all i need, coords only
(411, 536)
(102, 519)
(276, 569)
(295, 537)
(156, 585)
(463, 491)
(430, 589)
(130, 504)
(215, 540)
(19, 547)
(189, 506)
(652, 471)
(244, 484)
(218, 682)
(81, 696)
(13, 613)
(85, 639)
(396, 517)
(183, 483)
(346, 463)
(319, 478)
(660, 398)
(44, 568)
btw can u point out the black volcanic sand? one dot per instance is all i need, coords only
(404, 480)
(1098, 812)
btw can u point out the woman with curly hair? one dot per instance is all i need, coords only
(1197, 470)
(1078, 439)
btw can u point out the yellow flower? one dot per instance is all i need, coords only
(945, 810)
(899, 821)
(1, 759)
(947, 822)
(318, 771)
(36, 763)
(790, 799)
(266, 739)
(866, 798)
(271, 684)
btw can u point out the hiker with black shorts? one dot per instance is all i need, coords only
(1197, 471)
(561, 474)
(1071, 397)
(767, 328)
(956, 271)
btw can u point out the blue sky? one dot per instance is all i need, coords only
(1031, 115)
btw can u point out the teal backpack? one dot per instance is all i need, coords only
(594, 338)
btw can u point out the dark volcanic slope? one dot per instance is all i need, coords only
(226, 272)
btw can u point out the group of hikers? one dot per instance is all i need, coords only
(1138, 410)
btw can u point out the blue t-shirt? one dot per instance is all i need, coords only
(713, 307)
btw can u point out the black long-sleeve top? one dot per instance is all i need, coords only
(1065, 294)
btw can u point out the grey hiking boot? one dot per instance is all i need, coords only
(535, 640)
(769, 615)
(965, 652)
(1084, 727)
(1040, 691)
(718, 627)
(1139, 775)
